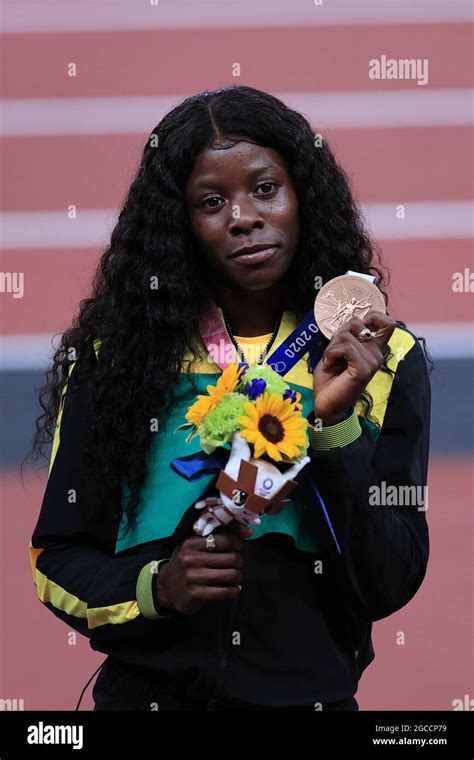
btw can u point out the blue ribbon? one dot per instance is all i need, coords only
(198, 465)
(305, 336)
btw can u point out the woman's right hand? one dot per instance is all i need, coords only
(195, 576)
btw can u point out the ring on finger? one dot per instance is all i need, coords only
(211, 543)
(365, 335)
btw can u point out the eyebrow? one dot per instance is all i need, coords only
(208, 182)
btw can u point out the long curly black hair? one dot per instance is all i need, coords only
(146, 331)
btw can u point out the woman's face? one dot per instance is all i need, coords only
(241, 197)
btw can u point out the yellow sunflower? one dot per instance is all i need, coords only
(226, 383)
(229, 379)
(274, 427)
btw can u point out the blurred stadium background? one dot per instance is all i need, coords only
(77, 140)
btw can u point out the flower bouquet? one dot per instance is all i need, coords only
(254, 411)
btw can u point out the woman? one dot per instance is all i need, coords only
(274, 617)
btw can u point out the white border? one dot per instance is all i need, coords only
(36, 16)
(419, 107)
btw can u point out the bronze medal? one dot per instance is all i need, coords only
(345, 297)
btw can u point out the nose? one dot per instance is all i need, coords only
(245, 216)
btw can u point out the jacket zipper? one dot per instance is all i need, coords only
(223, 657)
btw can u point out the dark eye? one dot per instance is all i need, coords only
(211, 198)
(267, 184)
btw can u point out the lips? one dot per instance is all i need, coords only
(252, 249)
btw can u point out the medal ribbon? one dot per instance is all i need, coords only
(304, 337)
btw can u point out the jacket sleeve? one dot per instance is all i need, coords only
(77, 575)
(373, 491)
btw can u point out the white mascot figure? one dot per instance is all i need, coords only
(248, 488)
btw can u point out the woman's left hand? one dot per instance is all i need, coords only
(348, 364)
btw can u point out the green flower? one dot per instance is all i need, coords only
(219, 425)
(274, 381)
